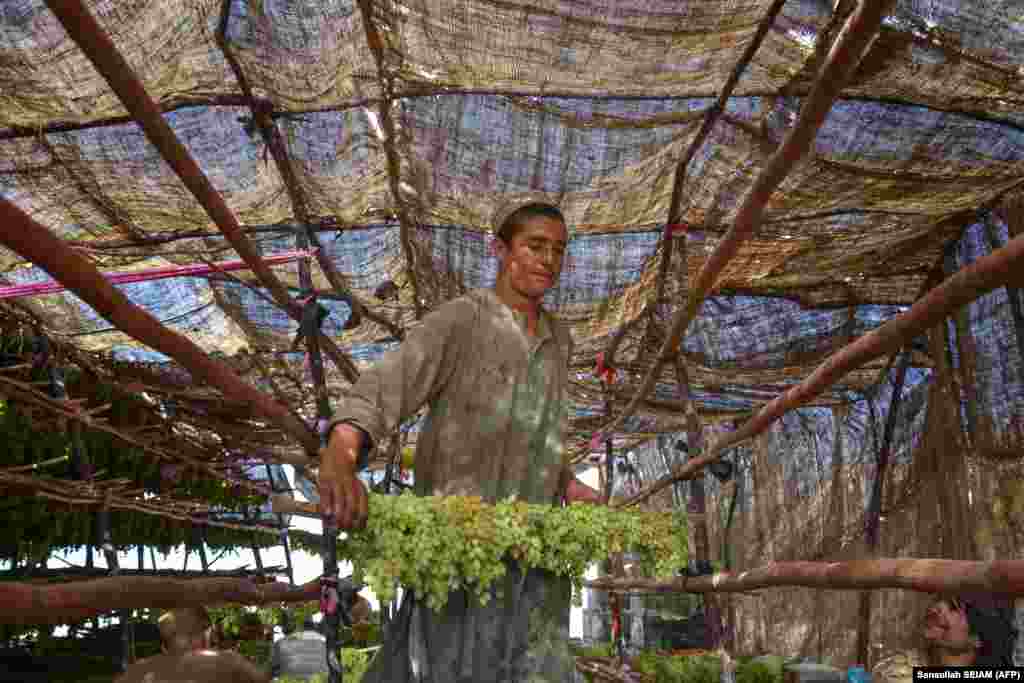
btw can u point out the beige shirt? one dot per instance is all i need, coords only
(203, 666)
(497, 397)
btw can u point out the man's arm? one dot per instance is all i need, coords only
(578, 492)
(400, 384)
(389, 392)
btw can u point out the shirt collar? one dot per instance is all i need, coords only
(545, 323)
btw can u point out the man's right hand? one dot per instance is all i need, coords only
(342, 494)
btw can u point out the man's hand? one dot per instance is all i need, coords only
(578, 492)
(342, 494)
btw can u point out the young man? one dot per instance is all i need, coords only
(974, 631)
(187, 636)
(493, 368)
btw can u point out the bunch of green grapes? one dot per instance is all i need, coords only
(435, 545)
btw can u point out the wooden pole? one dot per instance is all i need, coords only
(283, 530)
(81, 573)
(263, 121)
(1013, 294)
(873, 517)
(1000, 268)
(710, 119)
(949, 577)
(30, 603)
(387, 126)
(90, 37)
(20, 233)
(857, 36)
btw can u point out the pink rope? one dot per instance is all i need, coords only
(52, 287)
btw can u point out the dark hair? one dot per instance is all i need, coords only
(309, 625)
(994, 626)
(518, 218)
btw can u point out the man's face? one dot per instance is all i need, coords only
(532, 263)
(945, 626)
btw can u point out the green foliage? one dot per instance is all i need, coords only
(228, 617)
(436, 544)
(354, 664)
(599, 650)
(294, 614)
(758, 672)
(36, 528)
(258, 651)
(706, 669)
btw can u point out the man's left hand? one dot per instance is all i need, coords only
(578, 492)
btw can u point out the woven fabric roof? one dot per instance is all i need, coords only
(405, 123)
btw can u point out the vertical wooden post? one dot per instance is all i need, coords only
(202, 557)
(106, 543)
(283, 531)
(1013, 294)
(873, 517)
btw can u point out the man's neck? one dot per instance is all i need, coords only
(519, 303)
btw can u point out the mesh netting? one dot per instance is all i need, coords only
(403, 124)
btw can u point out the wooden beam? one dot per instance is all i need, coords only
(1002, 577)
(83, 28)
(29, 603)
(1003, 267)
(1013, 294)
(263, 120)
(853, 42)
(873, 515)
(23, 235)
(710, 119)
(97, 573)
(387, 124)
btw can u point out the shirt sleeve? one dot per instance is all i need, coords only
(567, 470)
(408, 377)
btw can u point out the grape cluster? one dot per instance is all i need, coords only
(435, 545)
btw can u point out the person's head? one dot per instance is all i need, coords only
(309, 625)
(530, 244)
(199, 666)
(973, 631)
(185, 629)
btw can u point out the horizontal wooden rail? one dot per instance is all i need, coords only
(999, 577)
(29, 603)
